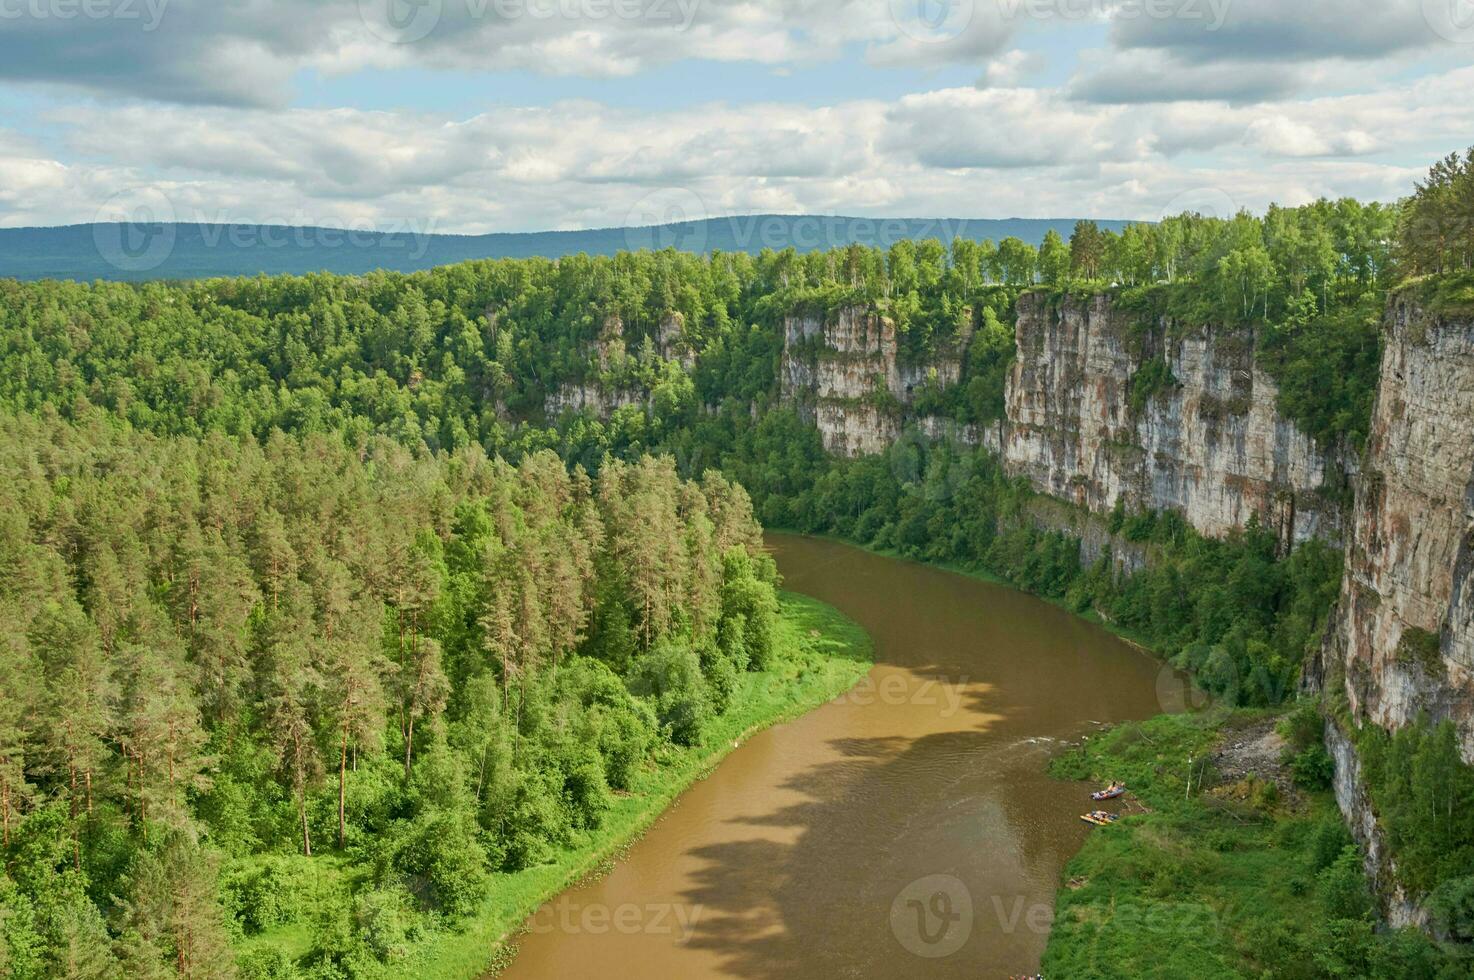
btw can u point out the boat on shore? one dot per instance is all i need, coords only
(1110, 792)
(1100, 818)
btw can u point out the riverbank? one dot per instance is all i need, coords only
(1231, 859)
(1220, 877)
(822, 654)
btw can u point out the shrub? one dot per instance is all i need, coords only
(386, 919)
(1312, 768)
(270, 891)
(1329, 839)
(1343, 887)
(670, 676)
(265, 963)
(1452, 906)
(442, 852)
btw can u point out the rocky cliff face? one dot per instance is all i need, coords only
(1403, 637)
(1398, 909)
(610, 352)
(1211, 445)
(1401, 641)
(844, 372)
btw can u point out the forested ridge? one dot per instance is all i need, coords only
(468, 353)
(303, 566)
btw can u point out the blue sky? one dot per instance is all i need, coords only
(514, 115)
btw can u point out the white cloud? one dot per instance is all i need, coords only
(1009, 70)
(1277, 30)
(1249, 51)
(246, 52)
(955, 152)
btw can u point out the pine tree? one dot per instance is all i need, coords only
(174, 925)
(352, 669)
(291, 683)
(427, 691)
(80, 692)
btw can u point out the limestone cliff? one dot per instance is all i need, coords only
(844, 370)
(1209, 443)
(1403, 638)
(610, 357)
(1401, 641)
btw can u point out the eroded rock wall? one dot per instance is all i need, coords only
(1403, 637)
(1211, 445)
(844, 371)
(1398, 909)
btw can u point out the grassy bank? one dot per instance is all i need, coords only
(1247, 872)
(821, 654)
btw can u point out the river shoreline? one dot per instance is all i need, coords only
(486, 944)
(935, 768)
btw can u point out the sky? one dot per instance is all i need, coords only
(472, 116)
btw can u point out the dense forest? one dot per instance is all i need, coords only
(302, 572)
(435, 666)
(470, 353)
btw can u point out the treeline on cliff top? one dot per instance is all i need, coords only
(458, 355)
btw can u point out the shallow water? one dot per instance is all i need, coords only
(906, 829)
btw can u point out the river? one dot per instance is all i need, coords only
(906, 829)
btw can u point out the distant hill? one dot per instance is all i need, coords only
(193, 251)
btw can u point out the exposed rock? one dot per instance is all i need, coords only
(937, 428)
(610, 345)
(1403, 638)
(611, 353)
(673, 344)
(1095, 537)
(1255, 751)
(1211, 446)
(595, 399)
(844, 372)
(1397, 908)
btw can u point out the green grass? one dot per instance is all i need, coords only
(813, 669)
(1235, 880)
(1449, 295)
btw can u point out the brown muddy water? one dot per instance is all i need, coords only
(906, 829)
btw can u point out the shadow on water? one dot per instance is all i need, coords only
(907, 828)
(818, 900)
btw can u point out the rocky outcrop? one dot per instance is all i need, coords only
(1403, 636)
(597, 400)
(845, 373)
(1398, 909)
(1208, 442)
(611, 353)
(1096, 539)
(672, 342)
(1401, 641)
